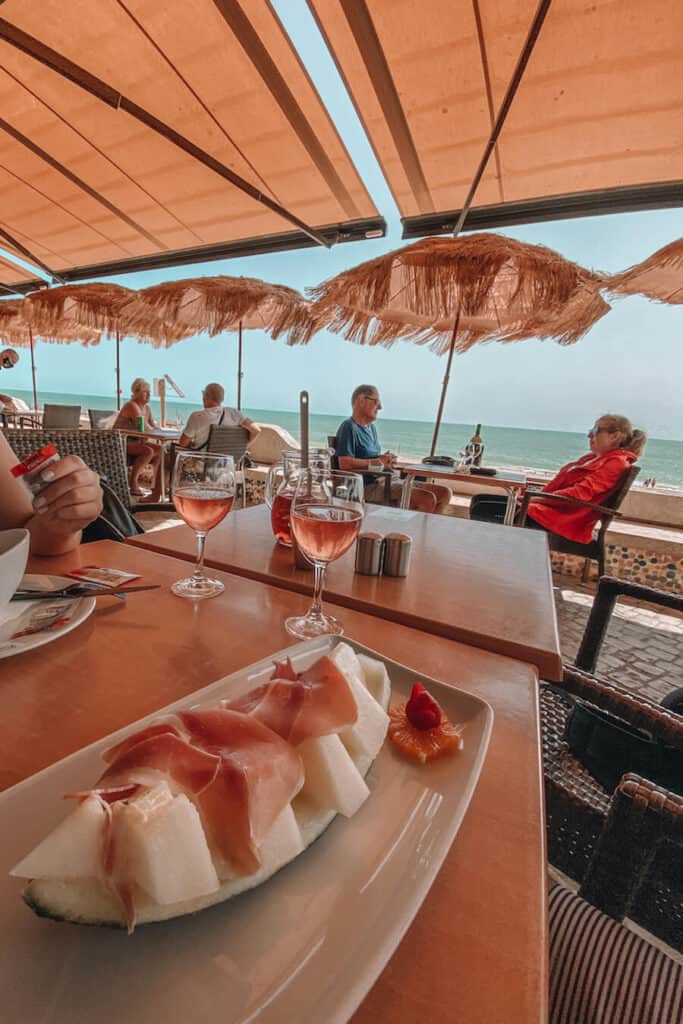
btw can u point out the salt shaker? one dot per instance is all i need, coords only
(396, 554)
(369, 554)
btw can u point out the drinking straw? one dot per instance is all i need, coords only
(303, 427)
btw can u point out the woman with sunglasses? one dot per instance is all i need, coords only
(614, 446)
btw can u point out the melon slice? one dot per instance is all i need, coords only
(365, 737)
(332, 780)
(73, 849)
(166, 849)
(376, 678)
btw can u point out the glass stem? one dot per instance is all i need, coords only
(198, 574)
(316, 609)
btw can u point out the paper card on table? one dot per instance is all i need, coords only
(106, 577)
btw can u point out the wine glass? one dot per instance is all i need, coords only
(327, 509)
(203, 493)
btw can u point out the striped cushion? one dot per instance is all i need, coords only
(600, 972)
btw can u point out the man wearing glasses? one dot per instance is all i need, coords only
(357, 450)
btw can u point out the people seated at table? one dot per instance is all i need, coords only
(71, 500)
(614, 446)
(8, 359)
(196, 431)
(357, 449)
(145, 452)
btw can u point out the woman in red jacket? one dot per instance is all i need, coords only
(614, 447)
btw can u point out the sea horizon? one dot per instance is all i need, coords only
(523, 448)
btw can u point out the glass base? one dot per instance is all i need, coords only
(306, 626)
(197, 589)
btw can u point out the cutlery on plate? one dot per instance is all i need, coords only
(78, 591)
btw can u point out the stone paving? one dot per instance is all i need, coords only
(643, 650)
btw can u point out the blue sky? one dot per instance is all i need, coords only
(631, 362)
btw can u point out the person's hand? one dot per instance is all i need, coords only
(72, 498)
(388, 460)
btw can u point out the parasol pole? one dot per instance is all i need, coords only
(444, 386)
(239, 367)
(33, 370)
(303, 427)
(118, 369)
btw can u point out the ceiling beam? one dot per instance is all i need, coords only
(101, 90)
(27, 254)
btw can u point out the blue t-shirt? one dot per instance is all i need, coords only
(357, 442)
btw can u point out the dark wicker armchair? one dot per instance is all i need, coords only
(583, 818)
(595, 548)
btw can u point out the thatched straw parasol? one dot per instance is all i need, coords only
(659, 277)
(95, 305)
(221, 303)
(453, 293)
(20, 332)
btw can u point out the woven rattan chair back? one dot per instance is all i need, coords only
(61, 417)
(228, 441)
(98, 417)
(101, 450)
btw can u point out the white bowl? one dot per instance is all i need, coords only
(13, 558)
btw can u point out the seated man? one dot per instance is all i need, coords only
(358, 450)
(196, 432)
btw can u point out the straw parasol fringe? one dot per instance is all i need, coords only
(516, 286)
(659, 277)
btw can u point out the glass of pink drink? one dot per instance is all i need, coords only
(203, 493)
(327, 510)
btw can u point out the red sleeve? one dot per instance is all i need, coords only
(598, 484)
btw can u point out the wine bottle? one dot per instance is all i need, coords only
(477, 446)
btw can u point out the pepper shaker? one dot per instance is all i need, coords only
(369, 554)
(396, 554)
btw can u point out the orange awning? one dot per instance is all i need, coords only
(137, 135)
(596, 124)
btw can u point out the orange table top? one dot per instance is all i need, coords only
(477, 949)
(485, 585)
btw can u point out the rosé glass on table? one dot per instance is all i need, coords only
(327, 510)
(203, 493)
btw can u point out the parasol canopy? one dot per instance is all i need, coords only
(222, 303)
(453, 293)
(659, 277)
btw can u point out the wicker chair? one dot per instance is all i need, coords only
(595, 548)
(581, 814)
(98, 417)
(101, 450)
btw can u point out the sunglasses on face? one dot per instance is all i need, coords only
(598, 430)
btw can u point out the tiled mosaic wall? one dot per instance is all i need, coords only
(652, 568)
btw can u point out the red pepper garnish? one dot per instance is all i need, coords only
(422, 711)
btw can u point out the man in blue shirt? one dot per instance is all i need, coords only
(358, 450)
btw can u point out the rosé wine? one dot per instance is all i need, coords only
(325, 532)
(280, 519)
(202, 509)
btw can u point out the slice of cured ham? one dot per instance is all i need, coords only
(314, 703)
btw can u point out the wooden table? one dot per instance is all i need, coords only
(512, 483)
(477, 949)
(478, 583)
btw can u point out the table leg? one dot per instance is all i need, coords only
(407, 489)
(511, 506)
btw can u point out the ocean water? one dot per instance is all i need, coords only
(504, 446)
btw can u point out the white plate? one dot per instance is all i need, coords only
(304, 948)
(77, 611)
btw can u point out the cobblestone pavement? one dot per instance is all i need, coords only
(643, 649)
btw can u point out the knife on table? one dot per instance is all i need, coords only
(71, 593)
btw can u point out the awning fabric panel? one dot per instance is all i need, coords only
(599, 106)
(85, 183)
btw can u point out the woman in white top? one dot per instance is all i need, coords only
(196, 432)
